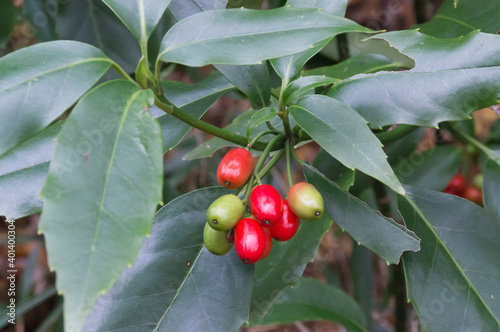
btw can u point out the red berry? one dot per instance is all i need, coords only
(286, 228)
(267, 205)
(249, 240)
(269, 242)
(474, 195)
(235, 168)
(457, 185)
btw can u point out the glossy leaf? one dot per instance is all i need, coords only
(289, 67)
(103, 186)
(333, 170)
(358, 64)
(253, 81)
(40, 82)
(176, 284)
(285, 265)
(140, 16)
(451, 79)
(491, 187)
(312, 300)
(194, 99)
(368, 227)
(94, 23)
(454, 21)
(304, 84)
(236, 36)
(332, 124)
(452, 281)
(260, 117)
(22, 173)
(431, 169)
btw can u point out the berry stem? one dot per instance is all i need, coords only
(256, 138)
(267, 150)
(294, 155)
(288, 167)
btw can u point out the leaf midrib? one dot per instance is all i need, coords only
(105, 185)
(448, 253)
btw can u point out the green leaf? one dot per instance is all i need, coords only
(93, 22)
(453, 280)
(253, 81)
(333, 170)
(289, 67)
(402, 148)
(38, 83)
(194, 99)
(103, 186)
(140, 16)
(332, 125)
(304, 84)
(368, 227)
(312, 300)
(454, 21)
(260, 117)
(358, 64)
(176, 284)
(451, 79)
(285, 265)
(22, 173)
(431, 169)
(491, 187)
(236, 36)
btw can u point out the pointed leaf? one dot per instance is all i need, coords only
(22, 173)
(368, 227)
(260, 117)
(453, 280)
(103, 186)
(236, 36)
(253, 81)
(140, 16)
(38, 83)
(194, 99)
(289, 67)
(454, 21)
(451, 79)
(176, 284)
(285, 265)
(304, 84)
(312, 300)
(93, 22)
(332, 124)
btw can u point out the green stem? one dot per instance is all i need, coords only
(162, 103)
(270, 126)
(256, 138)
(122, 72)
(294, 155)
(274, 160)
(257, 178)
(248, 189)
(395, 134)
(469, 139)
(288, 167)
(267, 150)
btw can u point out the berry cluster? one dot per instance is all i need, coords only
(459, 186)
(272, 217)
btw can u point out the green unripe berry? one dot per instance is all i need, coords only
(216, 241)
(478, 181)
(225, 212)
(305, 201)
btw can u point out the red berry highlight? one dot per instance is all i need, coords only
(249, 240)
(267, 206)
(235, 168)
(286, 228)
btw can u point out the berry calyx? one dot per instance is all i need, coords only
(249, 240)
(267, 206)
(225, 212)
(268, 243)
(305, 201)
(235, 168)
(216, 241)
(286, 228)
(457, 185)
(474, 195)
